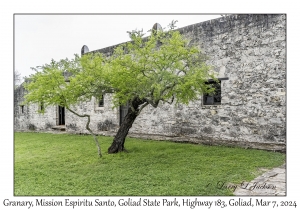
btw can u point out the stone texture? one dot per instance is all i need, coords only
(102, 118)
(30, 119)
(248, 49)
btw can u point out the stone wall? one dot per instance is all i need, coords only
(248, 49)
(103, 119)
(251, 51)
(31, 119)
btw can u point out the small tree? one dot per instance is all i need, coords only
(161, 68)
(65, 83)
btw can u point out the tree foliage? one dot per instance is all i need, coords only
(162, 67)
(65, 83)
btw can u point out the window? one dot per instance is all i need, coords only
(101, 101)
(213, 98)
(22, 109)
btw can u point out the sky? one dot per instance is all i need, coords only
(40, 38)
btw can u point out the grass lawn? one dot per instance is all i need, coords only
(64, 164)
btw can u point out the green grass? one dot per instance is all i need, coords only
(63, 164)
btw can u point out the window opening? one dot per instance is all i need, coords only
(101, 101)
(215, 97)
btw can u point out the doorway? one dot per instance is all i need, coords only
(61, 115)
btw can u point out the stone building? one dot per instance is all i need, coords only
(248, 52)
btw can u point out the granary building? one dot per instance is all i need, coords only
(248, 53)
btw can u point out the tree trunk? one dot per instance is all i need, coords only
(119, 140)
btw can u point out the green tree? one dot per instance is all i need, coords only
(161, 68)
(67, 83)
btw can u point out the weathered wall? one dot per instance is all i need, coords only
(31, 119)
(251, 51)
(248, 49)
(102, 118)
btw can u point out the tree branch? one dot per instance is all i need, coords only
(87, 126)
(149, 101)
(142, 107)
(181, 71)
(169, 102)
(167, 87)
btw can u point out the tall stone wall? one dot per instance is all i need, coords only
(248, 49)
(251, 51)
